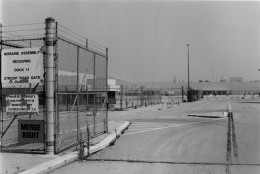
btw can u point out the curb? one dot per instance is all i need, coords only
(211, 114)
(73, 156)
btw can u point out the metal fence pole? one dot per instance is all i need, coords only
(121, 96)
(107, 90)
(126, 102)
(182, 95)
(132, 96)
(1, 100)
(87, 104)
(77, 86)
(94, 90)
(50, 82)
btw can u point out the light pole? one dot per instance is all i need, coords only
(188, 91)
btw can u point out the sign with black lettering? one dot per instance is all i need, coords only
(22, 103)
(30, 131)
(24, 65)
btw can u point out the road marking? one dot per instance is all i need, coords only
(153, 126)
(139, 129)
(149, 125)
(172, 126)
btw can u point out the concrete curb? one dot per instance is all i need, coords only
(211, 114)
(73, 156)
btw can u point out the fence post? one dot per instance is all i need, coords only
(121, 96)
(87, 105)
(132, 96)
(78, 89)
(50, 82)
(1, 97)
(141, 97)
(94, 91)
(107, 90)
(182, 95)
(126, 102)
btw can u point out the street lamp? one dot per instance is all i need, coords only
(188, 90)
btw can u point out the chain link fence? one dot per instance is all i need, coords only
(80, 90)
(17, 94)
(133, 97)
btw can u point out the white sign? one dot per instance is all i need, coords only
(24, 65)
(22, 103)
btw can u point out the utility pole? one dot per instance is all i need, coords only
(188, 90)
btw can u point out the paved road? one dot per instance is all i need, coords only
(169, 141)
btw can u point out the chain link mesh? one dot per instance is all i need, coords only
(9, 120)
(81, 93)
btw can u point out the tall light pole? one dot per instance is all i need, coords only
(188, 91)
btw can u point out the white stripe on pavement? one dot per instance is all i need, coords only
(172, 126)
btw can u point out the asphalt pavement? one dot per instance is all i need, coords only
(171, 141)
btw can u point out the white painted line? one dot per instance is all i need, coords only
(152, 125)
(140, 129)
(173, 126)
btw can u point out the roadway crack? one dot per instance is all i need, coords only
(227, 164)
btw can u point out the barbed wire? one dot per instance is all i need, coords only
(84, 41)
(21, 36)
(12, 35)
(96, 47)
(38, 29)
(22, 24)
(102, 51)
(83, 37)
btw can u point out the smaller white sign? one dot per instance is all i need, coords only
(22, 103)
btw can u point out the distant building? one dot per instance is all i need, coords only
(236, 79)
(222, 80)
(174, 80)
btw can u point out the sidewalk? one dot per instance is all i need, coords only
(12, 163)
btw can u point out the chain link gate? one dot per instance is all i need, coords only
(16, 94)
(81, 91)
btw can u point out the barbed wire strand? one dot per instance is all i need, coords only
(100, 49)
(22, 36)
(22, 24)
(72, 35)
(97, 47)
(23, 30)
(81, 36)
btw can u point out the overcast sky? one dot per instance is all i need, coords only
(147, 39)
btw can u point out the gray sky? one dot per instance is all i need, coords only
(147, 39)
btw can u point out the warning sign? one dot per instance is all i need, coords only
(24, 65)
(22, 103)
(31, 131)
